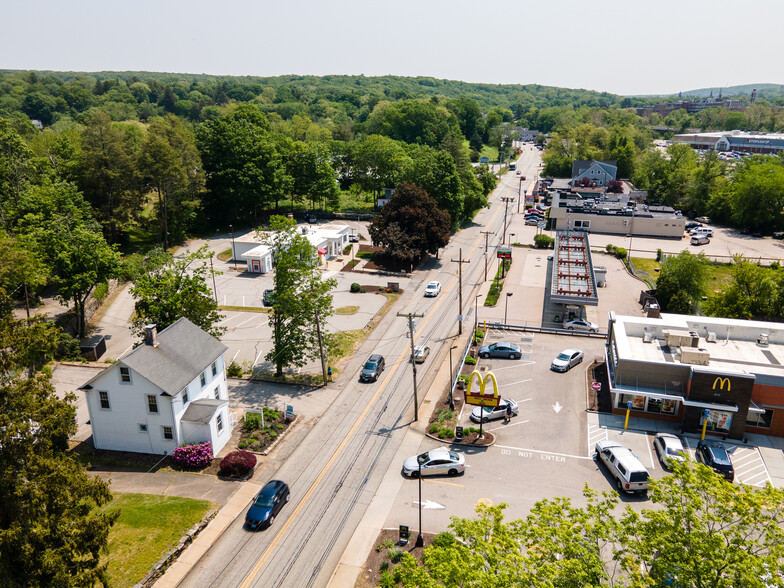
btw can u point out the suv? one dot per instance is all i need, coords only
(700, 240)
(714, 455)
(629, 473)
(372, 368)
(268, 299)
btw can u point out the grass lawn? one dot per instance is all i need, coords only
(491, 152)
(347, 310)
(719, 274)
(148, 526)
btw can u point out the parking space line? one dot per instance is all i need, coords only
(596, 433)
(442, 482)
(544, 452)
(506, 426)
(511, 367)
(513, 383)
(524, 400)
(253, 318)
(234, 356)
(650, 455)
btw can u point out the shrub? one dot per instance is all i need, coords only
(101, 290)
(234, 370)
(470, 360)
(252, 421)
(347, 250)
(384, 566)
(67, 348)
(444, 539)
(243, 443)
(434, 428)
(197, 455)
(355, 288)
(365, 254)
(659, 255)
(395, 554)
(445, 433)
(479, 335)
(620, 253)
(443, 415)
(237, 464)
(386, 580)
(362, 290)
(542, 241)
(270, 415)
(462, 378)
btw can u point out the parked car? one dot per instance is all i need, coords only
(757, 235)
(692, 225)
(353, 238)
(702, 231)
(372, 368)
(714, 455)
(699, 240)
(311, 218)
(267, 504)
(778, 235)
(629, 473)
(420, 353)
(703, 219)
(493, 413)
(669, 448)
(581, 325)
(566, 360)
(435, 463)
(501, 349)
(433, 289)
(532, 221)
(268, 299)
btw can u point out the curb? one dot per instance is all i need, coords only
(461, 444)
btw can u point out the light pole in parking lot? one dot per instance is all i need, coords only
(506, 305)
(452, 379)
(476, 315)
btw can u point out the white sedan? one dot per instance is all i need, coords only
(669, 448)
(581, 325)
(433, 289)
(566, 360)
(435, 463)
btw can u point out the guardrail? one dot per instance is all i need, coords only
(550, 330)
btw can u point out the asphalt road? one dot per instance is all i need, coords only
(336, 470)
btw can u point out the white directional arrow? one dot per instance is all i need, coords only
(557, 407)
(431, 505)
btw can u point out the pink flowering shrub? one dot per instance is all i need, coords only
(237, 464)
(197, 455)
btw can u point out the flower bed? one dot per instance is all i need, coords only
(254, 436)
(194, 456)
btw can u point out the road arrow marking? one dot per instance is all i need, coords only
(557, 407)
(429, 504)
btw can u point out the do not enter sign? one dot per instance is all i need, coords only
(596, 386)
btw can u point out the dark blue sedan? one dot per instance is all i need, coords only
(267, 505)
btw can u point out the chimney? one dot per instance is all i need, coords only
(151, 335)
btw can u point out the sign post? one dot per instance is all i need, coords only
(628, 410)
(596, 386)
(480, 398)
(705, 415)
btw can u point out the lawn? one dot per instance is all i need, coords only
(148, 526)
(719, 274)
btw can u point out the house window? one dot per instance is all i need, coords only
(104, 398)
(214, 368)
(185, 396)
(219, 423)
(125, 375)
(582, 224)
(167, 433)
(152, 404)
(142, 428)
(203, 379)
(217, 393)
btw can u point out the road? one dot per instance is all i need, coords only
(336, 470)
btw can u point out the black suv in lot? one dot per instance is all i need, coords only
(714, 455)
(372, 368)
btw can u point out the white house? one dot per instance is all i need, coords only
(169, 391)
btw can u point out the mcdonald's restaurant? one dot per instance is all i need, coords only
(692, 369)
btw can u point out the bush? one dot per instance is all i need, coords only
(365, 254)
(470, 360)
(462, 378)
(395, 554)
(347, 250)
(446, 433)
(542, 241)
(270, 415)
(479, 335)
(610, 248)
(67, 348)
(234, 370)
(100, 292)
(620, 253)
(386, 580)
(237, 463)
(197, 455)
(444, 539)
(355, 288)
(434, 428)
(252, 421)
(659, 255)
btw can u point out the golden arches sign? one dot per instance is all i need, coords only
(721, 381)
(480, 398)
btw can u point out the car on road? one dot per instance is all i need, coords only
(581, 325)
(519, 172)
(628, 472)
(501, 349)
(353, 238)
(267, 504)
(566, 360)
(669, 448)
(703, 219)
(420, 353)
(268, 298)
(532, 221)
(714, 455)
(433, 289)
(699, 240)
(372, 368)
(493, 413)
(437, 462)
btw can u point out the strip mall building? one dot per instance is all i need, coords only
(687, 369)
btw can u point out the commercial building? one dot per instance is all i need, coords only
(725, 374)
(739, 141)
(614, 214)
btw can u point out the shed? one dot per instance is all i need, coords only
(93, 347)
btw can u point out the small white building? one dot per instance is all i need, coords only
(169, 391)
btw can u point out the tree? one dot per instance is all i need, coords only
(52, 529)
(302, 300)
(754, 293)
(413, 121)
(378, 163)
(682, 280)
(410, 225)
(758, 194)
(19, 268)
(435, 172)
(170, 288)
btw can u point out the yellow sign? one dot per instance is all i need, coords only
(721, 381)
(480, 398)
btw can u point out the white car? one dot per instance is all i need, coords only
(566, 360)
(433, 289)
(434, 463)
(669, 448)
(708, 232)
(581, 325)
(420, 353)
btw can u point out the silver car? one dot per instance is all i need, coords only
(437, 462)
(669, 448)
(566, 360)
(581, 325)
(433, 289)
(420, 353)
(493, 413)
(501, 349)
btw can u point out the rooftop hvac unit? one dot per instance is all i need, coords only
(711, 337)
(647, 337)
(762, 340)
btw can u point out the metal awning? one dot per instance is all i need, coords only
(756, 408)
(710, 405)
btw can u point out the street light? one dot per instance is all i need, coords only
(451, 379)
(233, 256)
(476, 315)
(506, 305)
(420, 541)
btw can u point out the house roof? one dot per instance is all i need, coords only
(580, 165)
(183, 351)
(202, 410)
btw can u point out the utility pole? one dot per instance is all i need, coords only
(507, 200)
(321, 349)
(214, 290)
(519, 189)
(411, 316)
(461, 261)
(487, 235)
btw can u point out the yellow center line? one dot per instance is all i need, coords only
(447, 483)
(317, 482)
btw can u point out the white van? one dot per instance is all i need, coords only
(629, 473)
(702, 231)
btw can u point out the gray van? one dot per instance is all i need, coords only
(629, 473)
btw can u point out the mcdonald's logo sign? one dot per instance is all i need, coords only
(721, 381)
(480, 398)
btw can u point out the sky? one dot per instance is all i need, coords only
(625, 47)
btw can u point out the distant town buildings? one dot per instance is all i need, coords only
(740, 141)
(696, 105)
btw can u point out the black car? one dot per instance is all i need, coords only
(714, 455)
(267, 505)
(268, 298)
(372, 368)
(311, 218)
(692, 225)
